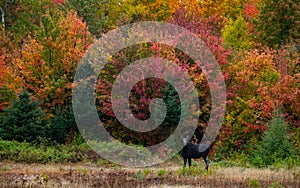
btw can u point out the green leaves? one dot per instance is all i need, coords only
(254, 41)
(236, 35)
(278, 22)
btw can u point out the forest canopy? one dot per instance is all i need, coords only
(255, 42)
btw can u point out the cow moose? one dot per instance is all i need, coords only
(192, 150)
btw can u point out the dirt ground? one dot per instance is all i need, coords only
(165, 175)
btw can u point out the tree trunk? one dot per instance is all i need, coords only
(2, 17)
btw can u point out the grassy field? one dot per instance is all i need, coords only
(165, 175)
(76, 165)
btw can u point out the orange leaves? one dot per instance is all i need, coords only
(262, 81)
(223, 8)
(47, 66)
(162, 9)
(9, 82)
(8, 79)
(250, 79)
(72, 41)
(65, 51)
(258, 68)
(2, 68)
(30, 65)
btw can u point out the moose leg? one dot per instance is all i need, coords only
(205, 158)
(190, 162)
(184, 162)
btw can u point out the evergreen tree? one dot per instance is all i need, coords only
(61, 125)
(93, 12)
(275, 145)
(279, 22)
(23, 120)
(173, 107)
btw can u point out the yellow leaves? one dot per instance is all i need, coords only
(237, 35)
(73, 39)
(31, 53)
(206, 8)
(162, 9)
(229, 119)
(225, 8)
(256, 66)
(5, 71)
(196, 112)
(47, 64)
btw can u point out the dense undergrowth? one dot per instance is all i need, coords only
(29, 153)
(13, 151)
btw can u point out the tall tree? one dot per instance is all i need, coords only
(9, 81)
(257, 84)
(5, 6)
(278, 22)
(23, 17)
(94, 12)
(47, 66)
(249, 107)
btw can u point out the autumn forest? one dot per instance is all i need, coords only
(255, 42)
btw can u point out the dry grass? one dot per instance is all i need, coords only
(165, 175)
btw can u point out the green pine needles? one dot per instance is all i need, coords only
(23, 120)
(275, 145)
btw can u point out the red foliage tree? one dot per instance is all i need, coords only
(143, 91)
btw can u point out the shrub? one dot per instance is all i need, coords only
(161, 172)
(254, 183)
(119, 153)
(236, 36)
(29, 153)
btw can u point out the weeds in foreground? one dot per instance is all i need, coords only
(5, 168)
(254, 183)
(275, 185)
(139, 175)
(161, 173)
(81, 176)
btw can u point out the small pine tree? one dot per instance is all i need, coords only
(172, 104)
(275, 145)
(60, 125)
(23, 120)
